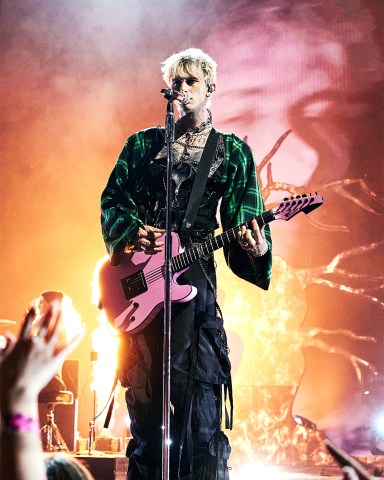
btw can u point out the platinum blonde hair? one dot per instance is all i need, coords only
(190, 60)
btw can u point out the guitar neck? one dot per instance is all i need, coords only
(183, 260)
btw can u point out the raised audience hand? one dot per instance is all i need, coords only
(28, 363)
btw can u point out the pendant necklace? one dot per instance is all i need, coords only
(191, 135)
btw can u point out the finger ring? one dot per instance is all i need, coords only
(142, 247)
(245, 244)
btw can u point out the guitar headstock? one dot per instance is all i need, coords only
(289, 207)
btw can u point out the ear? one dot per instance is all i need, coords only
(210, 89)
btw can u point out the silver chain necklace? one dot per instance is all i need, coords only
(192, 135)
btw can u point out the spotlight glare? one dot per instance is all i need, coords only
(127, 421)
(379, 424)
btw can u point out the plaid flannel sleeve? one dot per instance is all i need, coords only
(119, 213)
(242, 201)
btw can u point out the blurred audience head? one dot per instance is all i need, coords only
(61, 466)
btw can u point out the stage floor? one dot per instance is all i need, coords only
(286, 473)
(114, 467)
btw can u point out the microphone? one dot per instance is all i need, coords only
(171, 95)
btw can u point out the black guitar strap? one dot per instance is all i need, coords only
(111, 401)
(199, 184)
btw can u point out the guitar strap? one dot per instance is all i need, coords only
(199, 184)
(111, 401)
(193, 205)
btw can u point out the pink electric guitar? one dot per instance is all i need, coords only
(132, 293)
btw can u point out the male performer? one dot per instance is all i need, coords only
(133, 217)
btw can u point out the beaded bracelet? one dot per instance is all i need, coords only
(261, 250)
(17, 422)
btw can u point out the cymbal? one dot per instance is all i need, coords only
(7, 322)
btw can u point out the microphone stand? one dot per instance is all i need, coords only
(169, 139)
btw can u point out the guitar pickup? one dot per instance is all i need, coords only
(134, 285)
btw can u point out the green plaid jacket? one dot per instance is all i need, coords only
(240, 202)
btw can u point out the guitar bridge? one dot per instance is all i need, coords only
(134, 285)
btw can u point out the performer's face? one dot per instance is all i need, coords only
(193, 83)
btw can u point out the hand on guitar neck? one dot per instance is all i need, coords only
(252, 239)
(145, 240)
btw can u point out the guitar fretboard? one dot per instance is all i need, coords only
(183, 260)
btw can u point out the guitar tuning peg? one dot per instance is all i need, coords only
(298, 196)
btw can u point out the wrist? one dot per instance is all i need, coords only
(259, 250)
(19, 423)
(18, 401)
